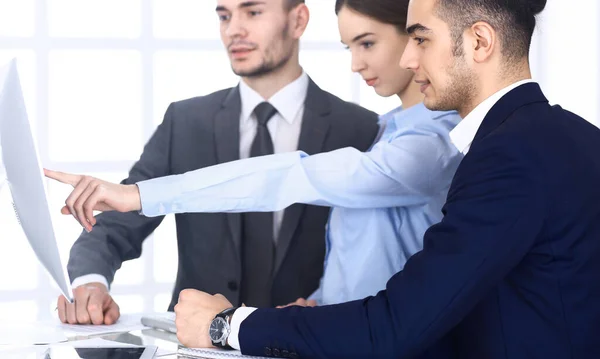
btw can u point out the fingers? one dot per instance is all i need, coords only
(112, 313)
(95, 307)
(300, 302)
(80, 213)
(81, 311)
(71, 314)
(91, 204)
(61, 305)
(66, 178)
(74, 196)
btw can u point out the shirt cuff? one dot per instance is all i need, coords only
(149, 199)
(89, 278)
(236, 321)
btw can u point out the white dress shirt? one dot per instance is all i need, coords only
(464, 133)
(462, 136)
(284, 128)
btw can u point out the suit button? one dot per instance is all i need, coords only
(276, 352)
(232, 286)
(285, 353)
(293, 355)
(268, 351)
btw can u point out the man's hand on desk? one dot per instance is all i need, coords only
(91, 194)
(93, 305)
(302, 303)
(194, 312)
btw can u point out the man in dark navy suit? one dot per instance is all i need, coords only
(513, 269)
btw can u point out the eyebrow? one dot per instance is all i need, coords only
(242, 5)
(417, 27)
(361, 36)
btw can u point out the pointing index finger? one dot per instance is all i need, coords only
(63, 177)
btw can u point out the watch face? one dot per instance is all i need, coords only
(217, 329)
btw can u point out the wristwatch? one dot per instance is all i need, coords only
(220, 327)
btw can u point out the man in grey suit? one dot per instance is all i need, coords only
(260, 259)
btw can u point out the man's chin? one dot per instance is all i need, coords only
(433, 105)
(430, 103)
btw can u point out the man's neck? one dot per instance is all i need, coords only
(488, 87)
(269, 84)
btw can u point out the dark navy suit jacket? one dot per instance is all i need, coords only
(512, 270)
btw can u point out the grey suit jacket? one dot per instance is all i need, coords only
(201, 132)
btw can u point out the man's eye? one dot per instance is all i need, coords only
(224, 17)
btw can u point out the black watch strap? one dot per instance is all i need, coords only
(227, 314)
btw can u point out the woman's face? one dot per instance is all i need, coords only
(376, 50)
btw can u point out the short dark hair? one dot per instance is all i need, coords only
(514, 20)
(392, 12)
(290, 4)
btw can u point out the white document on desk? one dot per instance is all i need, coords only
(126, 323)
(211, 353)
(20, 352)
(15, 334)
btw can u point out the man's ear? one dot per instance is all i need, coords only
(299, 20)
(482, 40)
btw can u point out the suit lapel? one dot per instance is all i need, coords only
(227, 142)
(520, 96)
(315, 125)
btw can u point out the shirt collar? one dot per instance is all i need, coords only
(286, 101)
(463, 134)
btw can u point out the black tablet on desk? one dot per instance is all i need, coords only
(66, 352)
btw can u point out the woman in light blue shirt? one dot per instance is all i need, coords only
(383, 199)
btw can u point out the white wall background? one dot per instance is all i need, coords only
(99, 74)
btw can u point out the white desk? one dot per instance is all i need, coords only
(162, 340)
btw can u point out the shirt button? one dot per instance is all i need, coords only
(276, 352)
(232, 286)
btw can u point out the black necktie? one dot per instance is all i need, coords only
(262, 144)
(258, 248)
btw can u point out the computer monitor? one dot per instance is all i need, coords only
(25, 177)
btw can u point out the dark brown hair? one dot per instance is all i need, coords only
(290, 4)
(392, 12)
(514, 20)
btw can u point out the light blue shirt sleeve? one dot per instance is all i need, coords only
(401, 171)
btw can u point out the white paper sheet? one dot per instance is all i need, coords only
(34, 352)
(12, 333)
(216, 353)
(25, 177)
(126, 323)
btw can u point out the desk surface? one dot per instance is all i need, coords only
(162, 340)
